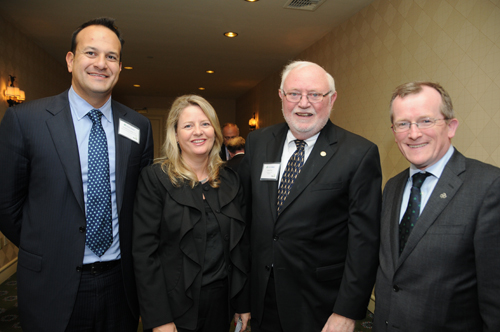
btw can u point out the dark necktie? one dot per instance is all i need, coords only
(292, 169)
(99, 235)
(412, 211)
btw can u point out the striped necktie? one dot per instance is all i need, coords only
(292, 169)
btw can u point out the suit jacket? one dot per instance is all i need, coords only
(42, 208)
(323, 246)
(169, 245)
(234, 162)
(448, 276)
(223, 153)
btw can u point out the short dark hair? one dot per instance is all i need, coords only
(107, 22)
(236, 144)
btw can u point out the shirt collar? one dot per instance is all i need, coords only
(309, 141)
(82, 107)
(438, 168)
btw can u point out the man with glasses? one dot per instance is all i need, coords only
(440, 228)
(314, 195)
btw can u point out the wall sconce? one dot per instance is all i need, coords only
(14, 95)
(252, 123)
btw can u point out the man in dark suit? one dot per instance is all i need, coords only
(236, 148)
(313, 261)
(440, 228)
(75, 272)
(229, 131)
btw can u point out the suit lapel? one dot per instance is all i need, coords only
(397, 201)
(122, 153)
(274, 150)
(324, 149)
(446, 188)
(63, 135)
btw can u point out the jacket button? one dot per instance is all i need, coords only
(82, 229)
(386, 323)
(268, 267)
(226, 237)
(276, 238)
(205, 188)
(396, 288)
(78, 269)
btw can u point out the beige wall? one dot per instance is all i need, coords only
(454, 42)
(37, 73)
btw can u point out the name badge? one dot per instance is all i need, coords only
(129, 131)
(270, 172)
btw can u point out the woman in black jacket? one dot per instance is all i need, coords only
(189, 241)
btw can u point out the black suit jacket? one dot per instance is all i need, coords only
(234, 162)
(323, 246)
(42, 208)
(223, 153)
(448, 276)
(169, 245)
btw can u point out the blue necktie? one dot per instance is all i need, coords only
(292, 169)
(99, 235)
(413, 210)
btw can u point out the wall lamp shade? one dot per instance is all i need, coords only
(14, 94)
(252, 123)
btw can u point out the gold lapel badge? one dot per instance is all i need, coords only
(443, 195)
(322, 153)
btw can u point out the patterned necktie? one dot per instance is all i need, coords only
(99, 235)
(292, 169)
(412, 211)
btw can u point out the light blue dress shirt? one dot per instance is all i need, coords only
(83, 125)
(429, 184)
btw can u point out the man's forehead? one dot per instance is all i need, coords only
(95, 33)
(310, 77)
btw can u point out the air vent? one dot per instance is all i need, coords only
(310, 5)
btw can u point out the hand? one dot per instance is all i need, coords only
(244, 318)
(170, 327)
(337, 323)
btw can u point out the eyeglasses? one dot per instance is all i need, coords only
(425, 123)
(313, 97)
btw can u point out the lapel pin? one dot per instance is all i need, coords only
(322, 153)
(443, 195)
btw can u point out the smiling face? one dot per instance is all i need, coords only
(423, 147)
(195, 135)
(95, 65)
(306, 119)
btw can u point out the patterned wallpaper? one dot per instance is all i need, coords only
(390, 42)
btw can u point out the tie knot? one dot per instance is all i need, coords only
(95, 116)
(419, 178)
(299, 144)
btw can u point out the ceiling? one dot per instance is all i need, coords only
(171, 43)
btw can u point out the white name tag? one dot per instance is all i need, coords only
(129, 131)
(270, 172)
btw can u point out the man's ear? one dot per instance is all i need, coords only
(69, 61)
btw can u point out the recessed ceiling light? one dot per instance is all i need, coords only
(137, 85)
(230, 34)
(201, 88)
(210, 72)
(251, 0)
(128, 68)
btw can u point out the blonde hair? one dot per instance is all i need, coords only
(172, 162)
